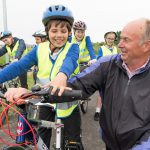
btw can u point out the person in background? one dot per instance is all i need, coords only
(57, 60)
(109, 48)
(15, 48)
(40, 37)
(86, 51)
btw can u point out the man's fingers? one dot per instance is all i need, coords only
(54, 90)
(62, 89)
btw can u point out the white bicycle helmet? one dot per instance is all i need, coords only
(40, 33)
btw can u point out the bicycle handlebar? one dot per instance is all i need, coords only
(67, 96)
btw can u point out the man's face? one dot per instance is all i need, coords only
(79, 34)
(8, 40)
(110, 38)
(130, 44)
(58, 35)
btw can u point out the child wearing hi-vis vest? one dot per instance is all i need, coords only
(57, 60)
(86, 51)
(15, 48)
(109, 48)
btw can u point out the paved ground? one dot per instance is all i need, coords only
(91, 139)
(90, 128)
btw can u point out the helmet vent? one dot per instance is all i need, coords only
(50, 9)
(63, 8)
(56, 7)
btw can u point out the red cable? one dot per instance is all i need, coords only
(9, 106)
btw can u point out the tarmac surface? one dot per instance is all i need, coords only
(91, 138)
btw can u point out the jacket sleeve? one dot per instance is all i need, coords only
(3, 51)
(90, 48)
(20, 49)
(17, 68)
(89, 80)
(100, 53)
(70, 62)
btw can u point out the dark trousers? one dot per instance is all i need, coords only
(72, 125)
(23, 80)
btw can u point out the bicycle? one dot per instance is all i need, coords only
(14, 83)
(33, 107)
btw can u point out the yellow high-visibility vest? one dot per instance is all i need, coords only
(48, 71)
(106, 51)
(12, 53)
(83, 51)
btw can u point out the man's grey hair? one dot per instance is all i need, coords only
(146, 35)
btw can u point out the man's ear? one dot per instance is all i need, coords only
(147, 46)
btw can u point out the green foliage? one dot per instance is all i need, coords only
(118, 37)
(96, 46)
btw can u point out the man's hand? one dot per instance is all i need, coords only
(59, 82)
(14, 93)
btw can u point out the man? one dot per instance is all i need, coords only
(124, 81)
(15, 48)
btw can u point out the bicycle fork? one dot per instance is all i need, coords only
(59, 140)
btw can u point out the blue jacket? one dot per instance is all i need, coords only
(25, 63)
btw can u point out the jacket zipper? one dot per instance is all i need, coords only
(125, 93)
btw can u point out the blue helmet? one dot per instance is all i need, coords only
(57, 12)
(5, 34)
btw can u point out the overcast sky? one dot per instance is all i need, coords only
(24, 16)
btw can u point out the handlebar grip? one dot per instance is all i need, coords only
(67, 96)
(76, 94)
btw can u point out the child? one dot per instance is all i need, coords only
(108, 49)
(15, 48)
(56, 60)
(86, 51)
(40, 36)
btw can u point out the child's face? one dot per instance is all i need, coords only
(38, 40)
(110, 38)
(79, 34)
(58, 35)
(8, 40)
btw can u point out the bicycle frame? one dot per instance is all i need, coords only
(41, 123)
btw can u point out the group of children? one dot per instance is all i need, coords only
(57, 56)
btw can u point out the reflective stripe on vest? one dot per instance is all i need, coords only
(83, 53)
(47, 71)
(12, 52)
(106, 51)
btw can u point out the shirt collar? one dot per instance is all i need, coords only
(138, 70)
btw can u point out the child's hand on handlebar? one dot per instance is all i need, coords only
(91, 62)
(14, 93)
